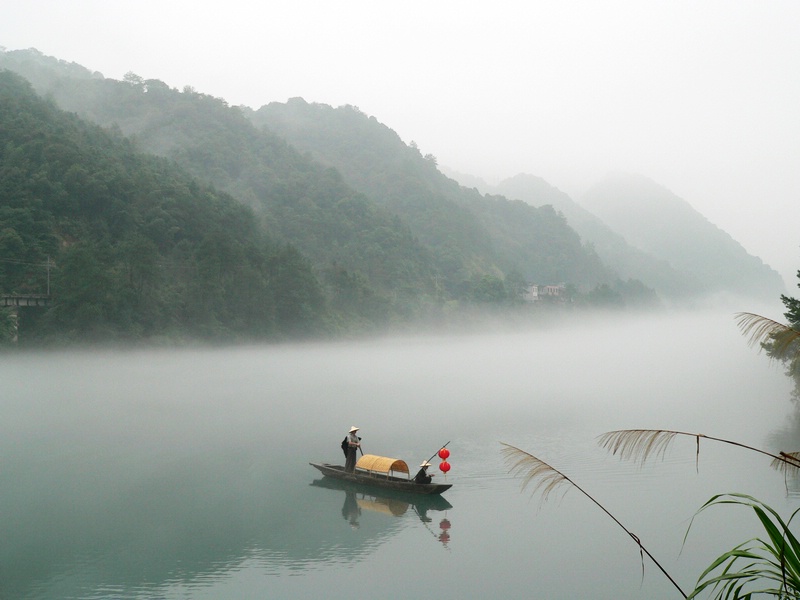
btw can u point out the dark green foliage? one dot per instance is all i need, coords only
(603, 296)
(789, 355)
(620, 294)
(488, 289)
(613, 249)
(141, 249)
(469, 235)
(296, 200)
(363, 230)
(792, 305)
(780, 341)
(297, 295)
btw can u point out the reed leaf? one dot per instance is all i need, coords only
(787, 462)
(638, 444)
(546, 479)
(535, 471)
(642, 444)
(771, 566)
(764, 331)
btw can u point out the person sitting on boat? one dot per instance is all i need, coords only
(422, 475)
(353, 444)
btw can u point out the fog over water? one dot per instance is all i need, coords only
(184, 473)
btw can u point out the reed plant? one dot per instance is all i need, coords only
(547, 479)
(768, 565)
(761, 566)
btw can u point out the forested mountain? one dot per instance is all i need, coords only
(614, 250)
(468, 230)
(140, 248)
(655, 220)
(383, 220)
(187, 217)
(646, 233)
(370, 264)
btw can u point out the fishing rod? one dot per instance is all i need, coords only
(437, 452)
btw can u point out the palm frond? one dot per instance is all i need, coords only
(763, 330)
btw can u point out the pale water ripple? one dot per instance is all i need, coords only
(184, 474)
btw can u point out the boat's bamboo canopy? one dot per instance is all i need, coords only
(381, 464)
(396, 508)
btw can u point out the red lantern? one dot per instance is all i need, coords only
(444, 453)
(444, 524)
(444, 466)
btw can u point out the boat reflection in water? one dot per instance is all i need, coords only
(394, 504)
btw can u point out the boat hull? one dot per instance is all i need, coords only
(378, 480)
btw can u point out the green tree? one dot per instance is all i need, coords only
(141, 250)
(84, 301)
(780, 341)
(488, 289)
(8, 326)
(298, 298)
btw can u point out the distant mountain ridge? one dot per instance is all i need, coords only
(655, 220)
(206, 136)
(385, 229)
(354, 243)
(535, 243)
(135, 248)
(613, 249)
(643, 231)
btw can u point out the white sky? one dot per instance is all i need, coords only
(701, 96)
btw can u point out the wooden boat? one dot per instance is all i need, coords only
(379, 471)
(373, 498)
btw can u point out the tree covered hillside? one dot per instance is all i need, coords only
(141, 249)
(372, 213)
(371, 265)
(471, 232)
(388, 238)
(613, 249)
(657, 221)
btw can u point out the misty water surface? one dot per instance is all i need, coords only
(184, 473)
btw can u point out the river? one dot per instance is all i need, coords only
(183, 474)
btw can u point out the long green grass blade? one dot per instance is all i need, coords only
(757, 567)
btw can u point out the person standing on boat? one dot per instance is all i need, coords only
(350, 510)
(353, 444)
(422, 475)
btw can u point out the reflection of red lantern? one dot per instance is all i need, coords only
(444, 453)
(444, 466)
